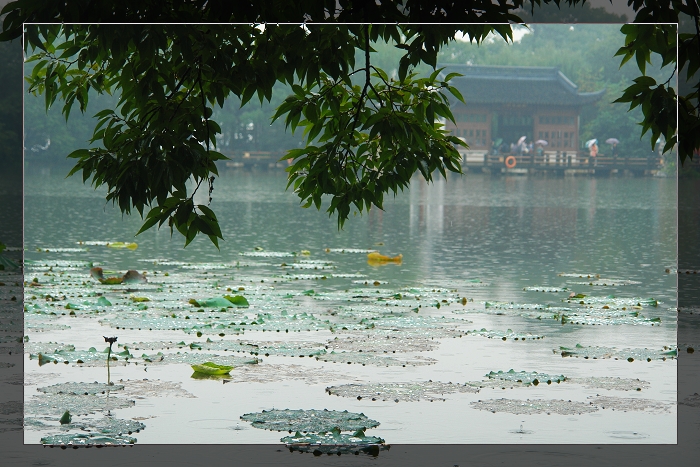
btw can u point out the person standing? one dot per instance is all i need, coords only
(593, 152)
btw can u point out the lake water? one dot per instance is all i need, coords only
(482, 248)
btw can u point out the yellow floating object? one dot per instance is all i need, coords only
(130, 246)
(377, 258)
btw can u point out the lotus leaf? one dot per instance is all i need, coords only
(410, 391)
(80, 439)
(196, 357)
(538, 288)
(332, 438)
(525, 377)
(216, 302)
(81, 388)
(594, 352)
(619, 384)
(153, 388)
(384, 344)
(237, 300)
(314, 421)
(631, 404)
(272, 373)
(534, 406)
(504, 335)
(367, 358)
(78, 356)
(66, 418)
(268, 254)
(57, 404)
(102, 301)
(211, 368)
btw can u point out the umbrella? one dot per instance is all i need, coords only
(521, 140)
(612, 141)
(542, 142)
(591, 142)
(498, 142)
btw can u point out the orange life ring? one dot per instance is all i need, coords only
(510, 162)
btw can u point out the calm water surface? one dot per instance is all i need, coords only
(507, 232)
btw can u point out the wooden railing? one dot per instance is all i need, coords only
(562, 161)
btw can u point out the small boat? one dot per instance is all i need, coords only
(130, 246)
(376, 257)
(211, 368)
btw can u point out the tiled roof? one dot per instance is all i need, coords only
(517, 85)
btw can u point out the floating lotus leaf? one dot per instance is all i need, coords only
(457, 283)
(525, 377)
(208, 266)
(225, 345)
(576, 274)
(196, 358)
(607, 382)
(333, 439)
(631, 404)
(141, 388)
(226, 301)
(606, 282)
(309, 265)
(80, 356)
(105, 426)
(80, 439)
(514, 306)
(534, 406)
(291, 349)
(268, 254)
(594, 352)
(34, 348)
(614, 302)
(102, 301)
(368, 358)
(405, 392)
(596, 317)
(383, 344)
(61, 250)
(79, 389)
(538, 288)
(497, 384)
(505, 335)
(111, 426)
(64, 265)
(300, 277)
(314, 421)
(211, 368)
(57, 404)
(370, 282)
(272, 373)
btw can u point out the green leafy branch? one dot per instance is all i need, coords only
(365, 140)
